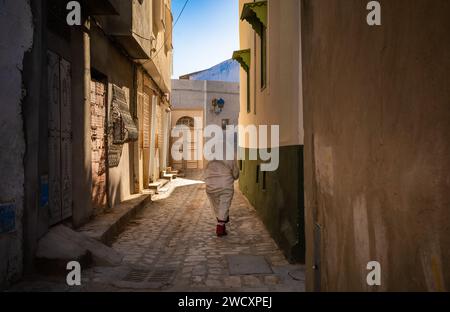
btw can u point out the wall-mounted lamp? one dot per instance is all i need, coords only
(218, 105)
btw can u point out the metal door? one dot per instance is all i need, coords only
(60, 138)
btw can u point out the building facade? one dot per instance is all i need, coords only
(95, 115)
(193, 99)
(367, 109)
(270, 95)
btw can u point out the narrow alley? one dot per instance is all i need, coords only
(263, 146)
(171, 246)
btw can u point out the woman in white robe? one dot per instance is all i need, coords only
(219, 177)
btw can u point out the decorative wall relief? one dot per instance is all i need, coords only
(122, 128)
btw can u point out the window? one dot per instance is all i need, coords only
(264, 181)
(248, 93)
(258, 168)
(186, 121)
(225, 123)
(263, 57)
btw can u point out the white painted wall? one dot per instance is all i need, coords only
(193, 98)
(280, 102)
(198, 95)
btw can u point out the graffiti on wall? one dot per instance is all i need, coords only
(7, 218)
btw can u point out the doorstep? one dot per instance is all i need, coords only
(156, 186)
(107, 226)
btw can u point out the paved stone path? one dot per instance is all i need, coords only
(171, 246)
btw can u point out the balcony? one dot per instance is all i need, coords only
(160, 65)
(132, 28)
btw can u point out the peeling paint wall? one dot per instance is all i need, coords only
(16, 37)
(103, 54)
(377, 144)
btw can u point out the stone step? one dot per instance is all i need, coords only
(106, 227)
(163, 182)
(62, 245)
(169, 176)
(156, 186)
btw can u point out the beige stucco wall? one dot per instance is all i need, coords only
(280, 102)
(159, 66)
(377, 144)
(135, 30)
(142, 23)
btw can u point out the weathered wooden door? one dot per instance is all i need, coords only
(146, 132)
(153, 174)
(98, 136)
(159, 139)
(60, 138)
(191, 162)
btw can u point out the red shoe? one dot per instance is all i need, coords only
(221, 230)
(228, 220)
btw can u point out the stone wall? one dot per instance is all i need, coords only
(16, 38)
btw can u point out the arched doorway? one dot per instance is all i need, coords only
(192, 162)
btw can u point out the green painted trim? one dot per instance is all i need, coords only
(281, 204)
(255, 14)
(243, 57)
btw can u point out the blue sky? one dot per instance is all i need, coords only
(206, 34)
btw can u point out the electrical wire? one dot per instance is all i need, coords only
(169, 37)
(179, 15)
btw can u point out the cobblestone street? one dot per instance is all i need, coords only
(178, 234)
(172, 246)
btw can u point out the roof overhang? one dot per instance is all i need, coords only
(243, 57)
(255, 13)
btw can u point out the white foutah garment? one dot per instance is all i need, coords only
(219, 177)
